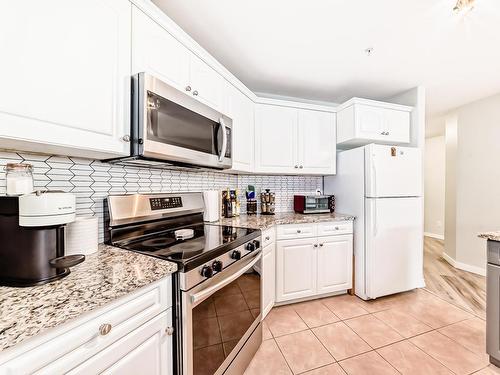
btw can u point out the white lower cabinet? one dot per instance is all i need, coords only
(269, 285)
(147, 350)
(295, 269)
(307, 267)
(334, 263)
(128, 336)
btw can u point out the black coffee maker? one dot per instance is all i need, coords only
(32, 238)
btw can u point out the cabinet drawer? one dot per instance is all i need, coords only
(268, 237)
(290, 231)
(79, 342)
(334, 227)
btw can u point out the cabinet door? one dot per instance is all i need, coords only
(275, 139)
(241, 110)
(157, 52)
(147, 350)
(397, 126)
(370, 122)
(317, 142)
(207, 85)
(66, 81)
(268, 278)
(334, 263)
(295, 269)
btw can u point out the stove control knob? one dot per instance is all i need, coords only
(217, 266)
(250, 246)
(236, 255)
(207, 272)
(257, 244)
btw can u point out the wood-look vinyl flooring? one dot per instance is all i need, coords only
(464, 289)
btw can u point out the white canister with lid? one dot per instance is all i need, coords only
(19, 179)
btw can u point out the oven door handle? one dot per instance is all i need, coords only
(200, 296)
(224, 140)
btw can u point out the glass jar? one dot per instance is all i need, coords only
(19, 178)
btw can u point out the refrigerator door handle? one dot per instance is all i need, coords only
(374, 179)
(374, 218)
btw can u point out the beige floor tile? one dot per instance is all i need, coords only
(341, 341)
(470, 333)
(303, 351)
(268, 361)
(383, 303)
(266, 333)
(404, 323)
(410, 360)
(436, 313)
(490, 370)
(333, 369)
(369, 363)
(315, 314)
(451, 354)
(375, 332)
(345, 307)
(283, 321)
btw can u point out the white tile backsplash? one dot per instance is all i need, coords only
(92, 181)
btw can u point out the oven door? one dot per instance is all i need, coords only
(221, 320)
(174, 126)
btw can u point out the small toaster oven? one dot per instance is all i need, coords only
(312, 204)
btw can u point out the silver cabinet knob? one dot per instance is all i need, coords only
(268, 238)
(188, 88)
(169, 331)
(321, 244)
(104, 329)
(296, 166)
(337, 228)
(299, 231)
(383, 133)
(195, 92)
(301, 166)
(315, 245)
(126, 138)
(386, 133)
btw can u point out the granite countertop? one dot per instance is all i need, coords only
(493, 236)
(264, 222)
(102, 278)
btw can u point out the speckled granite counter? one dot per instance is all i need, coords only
(263, 222)
(101, 278)
(493, 236)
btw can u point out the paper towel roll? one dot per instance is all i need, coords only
(82, 236)
(212, 206)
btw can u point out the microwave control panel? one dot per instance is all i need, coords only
(165, 203)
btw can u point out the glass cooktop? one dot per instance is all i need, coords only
(208, 241)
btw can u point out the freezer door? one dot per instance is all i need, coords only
(393, 171)
(394, 245)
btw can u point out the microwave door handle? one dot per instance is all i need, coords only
(224, 140)
(203, 294)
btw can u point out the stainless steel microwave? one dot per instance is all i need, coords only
(170, 126)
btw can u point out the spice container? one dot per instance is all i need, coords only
(267, 202)
(19, 179)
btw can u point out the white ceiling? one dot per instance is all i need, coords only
(315, 49)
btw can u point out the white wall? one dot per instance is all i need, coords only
(477, 164)
(434, 170)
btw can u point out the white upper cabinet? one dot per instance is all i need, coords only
(360, 122)
(275, 139)
(66, 82)
(294, 141)
(316, 141)
(157, 52)
(205, 83)
(241, 110)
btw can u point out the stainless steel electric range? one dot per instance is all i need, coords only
(217, 290)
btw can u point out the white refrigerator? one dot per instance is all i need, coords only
(382, 186)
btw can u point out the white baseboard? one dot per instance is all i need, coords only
(464, 266)
(434, 235)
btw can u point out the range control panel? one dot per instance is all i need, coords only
(165, 203)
